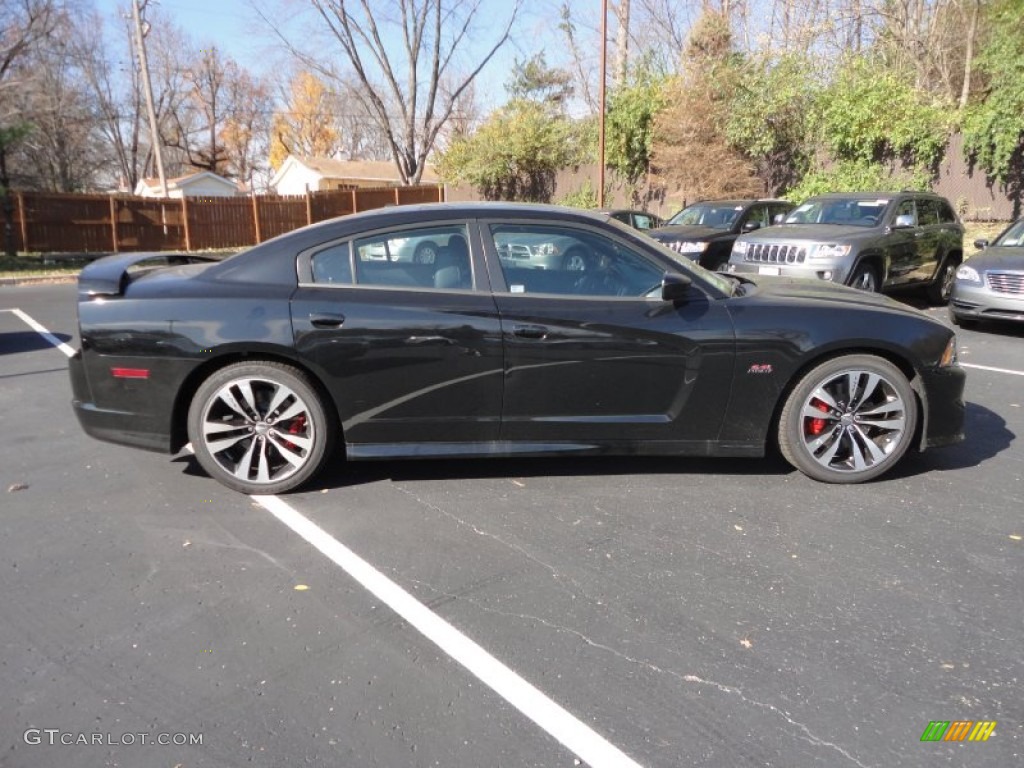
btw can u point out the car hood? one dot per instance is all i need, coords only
(999, 257)
(816, 233)
(684, 232)
(803, 289)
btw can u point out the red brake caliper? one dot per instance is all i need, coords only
(815, 427)
(296, 427)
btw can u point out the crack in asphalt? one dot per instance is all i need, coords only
(559, 577)
(806, 733)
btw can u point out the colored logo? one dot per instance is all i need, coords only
(958, 730)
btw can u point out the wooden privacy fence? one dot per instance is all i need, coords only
(50, 223)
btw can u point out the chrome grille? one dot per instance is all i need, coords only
(775, 253)
(1006, 282)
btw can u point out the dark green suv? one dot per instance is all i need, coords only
(869, 240)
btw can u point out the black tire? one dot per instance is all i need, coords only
(941, 287)
(865, 278)
(855, 438)
(260, 427)
(426, 253)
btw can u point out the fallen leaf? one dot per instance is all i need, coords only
(1016, 536)
(17, 487)
(949, 666)
(301, 587)
(746, 643)
(187, 543)
(521, 485)
(738, 527)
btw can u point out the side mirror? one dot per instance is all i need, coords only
(750, 226)
(981, 244)
(674, 287)
(904, 221)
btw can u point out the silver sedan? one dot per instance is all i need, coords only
(990, 285)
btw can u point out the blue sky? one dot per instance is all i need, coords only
(237, 30)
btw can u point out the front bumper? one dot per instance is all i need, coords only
(836, 273)
(979, 302)
(942, 394)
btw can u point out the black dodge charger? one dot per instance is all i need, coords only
(318, 344)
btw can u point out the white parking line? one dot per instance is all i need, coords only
(575, 735)
(990, 368)
(592, 748)
(38, 328)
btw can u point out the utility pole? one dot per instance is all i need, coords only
(148, 87)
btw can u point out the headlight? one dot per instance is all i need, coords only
(739, 248)
(968, 274)
(829, 251)
(684, 246)
(948, 354)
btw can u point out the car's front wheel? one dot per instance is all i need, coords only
(259, 427)
(848, 420)
(865, 278)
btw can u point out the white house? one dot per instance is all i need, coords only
(200, 184)
(298, 174)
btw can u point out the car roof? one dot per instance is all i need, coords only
(871, 195)
(742, 201)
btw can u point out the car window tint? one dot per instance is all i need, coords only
(946, 214)
(927, 212)
(906, 208)
(425, 257)
(759, 215)
(333, 265)
(571, 262)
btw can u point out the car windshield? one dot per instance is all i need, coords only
(1014, 236)
(713, 215)
(856, 212)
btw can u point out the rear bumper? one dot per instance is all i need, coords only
(124, 427)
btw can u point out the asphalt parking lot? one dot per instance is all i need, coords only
(505, 613)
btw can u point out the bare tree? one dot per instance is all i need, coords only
(224, 109)
(23, 25)
(400, 84)
(583, 68)
(621, 44)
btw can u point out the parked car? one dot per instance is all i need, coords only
(869, 240)
(419, 248)
(990, 284)
(268, 360)
(641, 220)
(706, 231)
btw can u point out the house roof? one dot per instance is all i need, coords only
(365, 170)
(183, 182)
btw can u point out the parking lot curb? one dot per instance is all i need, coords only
(41, 280)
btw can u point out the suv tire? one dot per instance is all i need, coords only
(864, 278)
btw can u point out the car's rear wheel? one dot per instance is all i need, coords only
(941, 287)
(848, 420)
(865, 278)
(259, 427)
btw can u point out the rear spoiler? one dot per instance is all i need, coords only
(109, 276)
